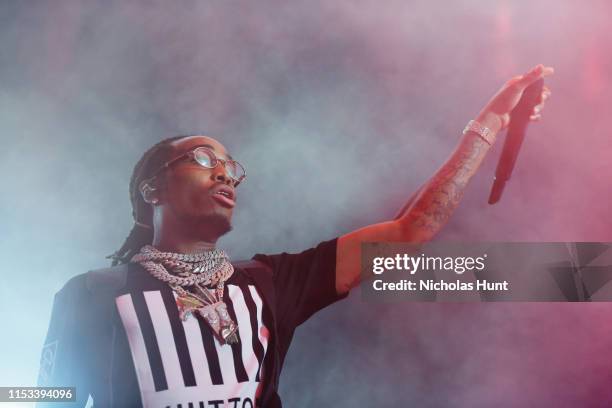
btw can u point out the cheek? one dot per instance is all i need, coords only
(189, 193)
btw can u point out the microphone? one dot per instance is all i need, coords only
(519, 119)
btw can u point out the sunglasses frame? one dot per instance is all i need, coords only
(191, 154)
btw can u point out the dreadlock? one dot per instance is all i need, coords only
(142, 212)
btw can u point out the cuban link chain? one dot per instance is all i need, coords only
(204, 274)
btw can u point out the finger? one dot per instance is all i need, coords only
(539, 71)
(543, 97)
(535, 118)
(529, 77)
(538, 108)
(543, 71)
(547, 71)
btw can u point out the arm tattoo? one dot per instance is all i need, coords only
(437, 200)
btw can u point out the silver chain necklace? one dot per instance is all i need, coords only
(204, 274)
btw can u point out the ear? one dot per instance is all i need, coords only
(148, 191)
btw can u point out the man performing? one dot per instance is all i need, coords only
(175, 324)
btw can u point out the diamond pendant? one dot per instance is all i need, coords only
(220, 322)
(229, 329)
(230, 336)
(211, 317)
(187, 305)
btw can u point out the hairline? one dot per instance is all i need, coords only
(209, 146)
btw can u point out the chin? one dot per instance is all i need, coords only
(221, 224)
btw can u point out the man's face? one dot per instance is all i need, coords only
(202, 197)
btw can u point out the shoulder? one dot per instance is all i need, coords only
(103, 279)
(111, 278)
(251, 264)
(259, 272)
(321, 254)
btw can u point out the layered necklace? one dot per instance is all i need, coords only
(198, 281)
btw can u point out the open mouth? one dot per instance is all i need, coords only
(225, 198)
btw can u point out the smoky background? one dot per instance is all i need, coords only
(339, 110)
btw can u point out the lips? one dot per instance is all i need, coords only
(225, 196)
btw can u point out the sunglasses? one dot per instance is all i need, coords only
(206, 158)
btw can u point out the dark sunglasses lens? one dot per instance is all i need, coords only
(205, 158)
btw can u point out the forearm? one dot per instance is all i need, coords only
(431, 206)
(429, 210)
(408, 204)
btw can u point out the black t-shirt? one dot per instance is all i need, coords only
(128, 347)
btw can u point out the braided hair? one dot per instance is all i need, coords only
(142, 231)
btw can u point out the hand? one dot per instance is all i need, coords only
(496, 114)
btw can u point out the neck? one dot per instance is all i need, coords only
(182, 246)
(183, 239)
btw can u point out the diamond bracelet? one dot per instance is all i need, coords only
(484, 132)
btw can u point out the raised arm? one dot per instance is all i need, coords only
(429, 208)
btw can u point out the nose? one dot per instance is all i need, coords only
(219, 174)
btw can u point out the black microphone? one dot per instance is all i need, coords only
(519, 119)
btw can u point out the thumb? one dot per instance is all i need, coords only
(537, 72)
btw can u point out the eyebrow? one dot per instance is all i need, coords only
(213, 149)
